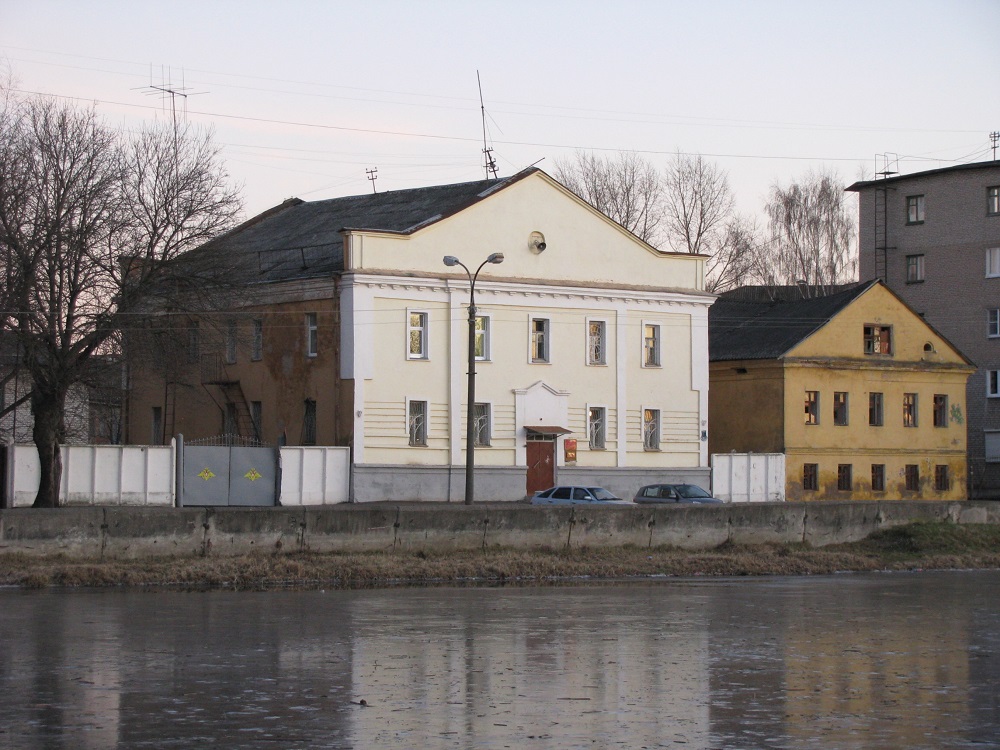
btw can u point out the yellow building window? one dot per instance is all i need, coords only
(812, 407)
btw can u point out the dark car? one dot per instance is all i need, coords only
(675, 493)
(574, 495)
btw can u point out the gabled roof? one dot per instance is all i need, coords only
(864, 184)
(738, 329)
(301, 240)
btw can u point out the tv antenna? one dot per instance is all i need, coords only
(166, 88)
(994, 137)
(491, 163)
(372, 176)
(886, 165)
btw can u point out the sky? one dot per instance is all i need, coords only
(305, 97)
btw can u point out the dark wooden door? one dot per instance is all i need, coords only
(541, 465)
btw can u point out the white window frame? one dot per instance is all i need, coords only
(917, 266)
(257, 347)
(993, 200)
(653, 445)
(604, 421)
(411, 438)
(918, 203)
(600, 356)
(484, 334)
(992, 262)
(993, 323)
(993, 384)
(657, 348)
(546, 340)
(991, 437)
(424, 330)
(312, 334)
(484, 441)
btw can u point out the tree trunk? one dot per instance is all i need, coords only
(47, 409)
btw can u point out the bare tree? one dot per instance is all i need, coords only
(96, 223)
(699, 204)
(734, 256)
(812, 236)
(626, 188)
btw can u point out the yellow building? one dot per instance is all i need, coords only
(864, 398)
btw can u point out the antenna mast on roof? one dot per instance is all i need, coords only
(995, 136)
(886, 165)
(372, 176)
(491, 163)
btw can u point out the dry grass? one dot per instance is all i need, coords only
(922, 545)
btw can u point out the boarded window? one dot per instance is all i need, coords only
(812, 407)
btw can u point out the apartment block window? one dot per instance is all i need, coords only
(914, 209)
(651, 345)
(876, 410)
(940, 410)
(481, 428)
(482, 343)
(993, 323)
(156, 426)
(312, 335)
(878, 339)
(257, 346)
(909, 410)
(914, 269)
(229, 425)
(942, 480)
(597, 343)
(812, 407)
(597, 419)
(991, 446)
(256, 412)
(992, 262)
(309, 422)
(839, 408)
(194, 344)
(540, 340)
(844, 477)
(651, 429)
(878, 477)
(417, 335)
(231, 331)
(911, 474)
(810, 476)
(993, 201)
(417, 422)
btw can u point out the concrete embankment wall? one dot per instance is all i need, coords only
(123, 532)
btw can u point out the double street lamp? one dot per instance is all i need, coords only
(470, 431)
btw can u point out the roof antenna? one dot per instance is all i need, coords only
(886, 165)
(995, 136)
(491, 163)
(372, 176)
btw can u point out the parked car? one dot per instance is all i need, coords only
(570, 495)
(675, 493)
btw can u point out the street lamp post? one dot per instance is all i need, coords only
(470, 428)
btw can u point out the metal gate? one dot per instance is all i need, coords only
(229, 475)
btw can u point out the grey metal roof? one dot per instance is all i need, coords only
(863, 184)
(739, 329)
(303, 239)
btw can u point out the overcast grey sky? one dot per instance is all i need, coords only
(305, 96)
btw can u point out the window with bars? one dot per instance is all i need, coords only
(878, 339)
(417, 422)
(876, 409)
(878, 477)
(597, 342)
(481, 424)
(812, 407)
(810, 476)
(844, 477)
(909, 410)
(942, 478)
(840, 408)
(651, 345)
(540, 340)
(309, 422)
(911, 474)
(651, 429)
(417, 335)
(597, 418)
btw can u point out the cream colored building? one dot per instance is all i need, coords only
(356, 333)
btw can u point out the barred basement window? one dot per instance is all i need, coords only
(481, 426)
(596, 427)
(417, 422)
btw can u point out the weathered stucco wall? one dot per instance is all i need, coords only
(146, 532)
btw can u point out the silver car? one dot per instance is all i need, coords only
(573, 495)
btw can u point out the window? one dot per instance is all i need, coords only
(482, 344)
(878, 477)
(539, 339)
(597, 342)
(417, 422)
(257, 346)
(844, 478)
(231, 343)
(597, 418)
(417, 328)
(481, 425)
(940, 410)
(312, 335)
(229, 426)
(840, 408)
(914, 209)
(993, 323)
(991, 446)
(993, 201)
(878, 339)
(993, 383)
(992, 262)
(909, 410)
(309, 422)
(156, 428)
(812, 407)
(651, 429)
(914, 268)
(194, 344)
(912, 477)
(651, 345)
(942, 482)
(875, 409)
(256, 411)
(810, 476)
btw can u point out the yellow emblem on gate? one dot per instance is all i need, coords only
(206, 474)
(253, 475)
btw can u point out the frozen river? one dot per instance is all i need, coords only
(854, 661)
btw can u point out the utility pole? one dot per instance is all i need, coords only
(372, 176)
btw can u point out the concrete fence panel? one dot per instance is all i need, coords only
(315, 475)
(749, 477)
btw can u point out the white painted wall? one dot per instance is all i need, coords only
(749, 477)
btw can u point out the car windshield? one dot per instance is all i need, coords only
(601, 494)
(691, 490)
